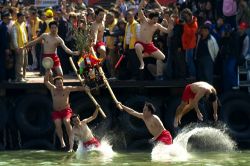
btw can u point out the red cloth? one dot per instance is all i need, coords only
(165, 137)
(93, 60)
(148, 48)
(91, 142)
(98, 45)
(166, 2)
(65, 113)
(55, 59)
(188, 93)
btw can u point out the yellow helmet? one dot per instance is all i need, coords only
(49, 13)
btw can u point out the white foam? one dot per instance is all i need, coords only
(164, 153)
(104, 152)
(215, 139)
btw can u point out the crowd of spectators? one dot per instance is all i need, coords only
(210, 37)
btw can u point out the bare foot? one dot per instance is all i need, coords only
(200, 116)
(141, 66)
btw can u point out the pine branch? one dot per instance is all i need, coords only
(83, 39)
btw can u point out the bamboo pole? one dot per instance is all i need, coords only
(88, 93)
(107, 83)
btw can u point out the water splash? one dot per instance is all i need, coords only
(165, 153)
(193, 138)
(104, 152)
(205, 139)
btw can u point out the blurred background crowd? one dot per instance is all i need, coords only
(210, 38)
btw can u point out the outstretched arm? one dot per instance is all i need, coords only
(46, 80)
(140, 12)
(164, 29)
(132, 112)
(37, 40)
(78, 88)
(66, 49)
(215, 108)
(87, 120)
(159, 5)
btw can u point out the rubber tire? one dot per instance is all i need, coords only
(236, 114)
(132, 125)
(4, 115)
(140, 145)
(233, 95)
(33, 115)
(85, 108)
(2, 148)
(38, 144)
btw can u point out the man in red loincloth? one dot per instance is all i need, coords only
(144, 46)
(82, 132)
(191, 97)
(153, 123)
(62, 111)
(51, 41)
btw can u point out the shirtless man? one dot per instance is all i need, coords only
(191, 97)
(51, 42)
(153, 123)
(82, 132)
(144, 46)
(97, 30)
(62, 111)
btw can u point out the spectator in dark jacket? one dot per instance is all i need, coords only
(4, 44)
(229, 52)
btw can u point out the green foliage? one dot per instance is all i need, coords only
(83, 39)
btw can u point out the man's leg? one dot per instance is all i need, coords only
(59, 71)
(159, 56)
(19, 65)
(190, 63)
(68, 127)
(59, 131)
(25, 62)
(179, 114)
(139, 49)
(34, 58)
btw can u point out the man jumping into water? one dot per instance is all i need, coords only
(82, 132)
(62, 111)
(51, 42)
(191, 97)
(153, 123)
(144, 46)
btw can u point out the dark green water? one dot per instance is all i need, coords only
(19, 158)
